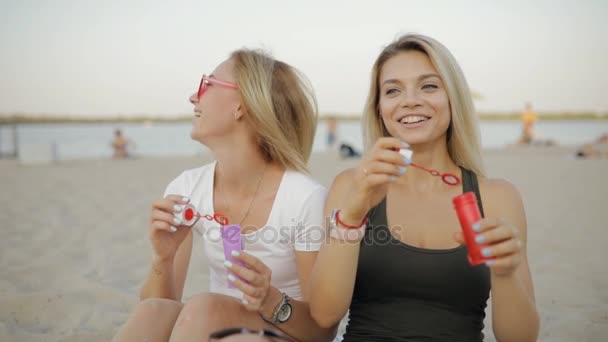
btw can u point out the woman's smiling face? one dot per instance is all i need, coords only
(413, 101)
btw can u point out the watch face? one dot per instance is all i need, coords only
(284, 313)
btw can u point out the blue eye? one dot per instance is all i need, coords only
(390, 91)
(429, 86)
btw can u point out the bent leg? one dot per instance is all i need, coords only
(209, 312)
(152, 320)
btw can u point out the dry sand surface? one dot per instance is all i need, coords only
(74, 249)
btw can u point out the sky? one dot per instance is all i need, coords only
(133, 57)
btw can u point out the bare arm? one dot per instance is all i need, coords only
(333, 277)
(514, 314)
(301, 325)
(172, 247)
(168, 276)
(263, 298)
(354, 192)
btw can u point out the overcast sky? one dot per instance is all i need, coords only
(94, 57)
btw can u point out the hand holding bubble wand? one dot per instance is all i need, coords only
(231, 233)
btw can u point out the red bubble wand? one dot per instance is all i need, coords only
(447, 178)
(190, 216)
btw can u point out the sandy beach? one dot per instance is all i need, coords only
(74, 248)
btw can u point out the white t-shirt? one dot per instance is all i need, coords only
(295, 223)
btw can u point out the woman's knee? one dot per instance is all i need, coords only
(155, 308)
(205, 308)
(211, 310)
(151, 319)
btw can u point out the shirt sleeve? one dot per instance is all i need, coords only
(176, 187)
(310, 228)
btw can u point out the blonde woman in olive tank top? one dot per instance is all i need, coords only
(396, 257)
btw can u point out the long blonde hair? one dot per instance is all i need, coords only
(281, 105)
(463, 139)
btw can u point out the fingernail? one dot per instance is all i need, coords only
(235, 253)
(177, 220)
(486, 251)
(404, 144)
(186, 199)
(477, 227)
(245, 301)
(173, 229)
(177, 208)
(231, 277)
(480, 238)
(392, 178)
(490, 262)
(401, 170)
(227, 264)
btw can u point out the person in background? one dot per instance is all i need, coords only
(332, 126)
(119, 145)
(528, 119)
(396, 255)
(596, 149)
(348, 151)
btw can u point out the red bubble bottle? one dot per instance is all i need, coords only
(468, 214)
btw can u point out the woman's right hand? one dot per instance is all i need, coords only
(380, 167)
(166, 231)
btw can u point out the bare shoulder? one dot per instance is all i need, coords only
(344, 178)
(501, 198)
(340, 184)
(496, 188)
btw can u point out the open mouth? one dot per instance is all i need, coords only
(413, 119)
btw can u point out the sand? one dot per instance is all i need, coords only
(74, 248)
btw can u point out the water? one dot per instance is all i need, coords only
(85, 141)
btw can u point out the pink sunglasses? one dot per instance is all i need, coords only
(206, 81)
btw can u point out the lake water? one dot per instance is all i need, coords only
(85, 141)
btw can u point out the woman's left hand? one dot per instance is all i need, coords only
(256, 287)
(502, 245)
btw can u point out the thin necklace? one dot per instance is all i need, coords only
(224, 199)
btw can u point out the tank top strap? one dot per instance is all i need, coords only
(470, 183)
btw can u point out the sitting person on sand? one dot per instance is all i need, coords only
(258, 118)
(396, 257)
(119, 145)
(596, 149)
(348, 151)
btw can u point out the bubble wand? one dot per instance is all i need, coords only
(447, 178)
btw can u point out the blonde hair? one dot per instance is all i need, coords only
(281, 107)
(463, 139)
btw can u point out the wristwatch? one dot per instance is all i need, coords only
(340, 231)
(281, 313)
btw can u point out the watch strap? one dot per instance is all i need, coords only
(275, 314)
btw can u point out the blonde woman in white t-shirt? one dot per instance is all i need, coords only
(258, 118)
